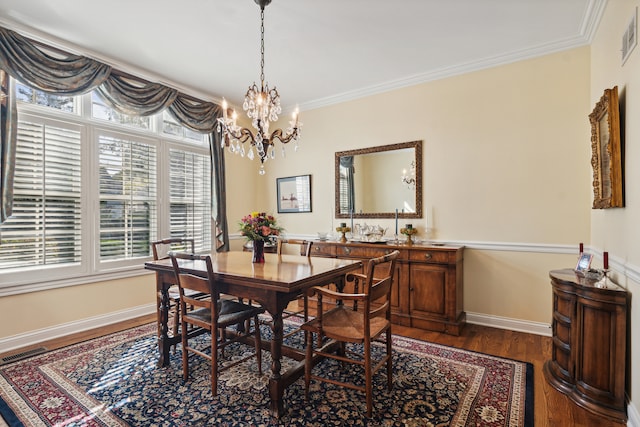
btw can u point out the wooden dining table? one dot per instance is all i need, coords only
(273, 284)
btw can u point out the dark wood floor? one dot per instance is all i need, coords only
(552, 408)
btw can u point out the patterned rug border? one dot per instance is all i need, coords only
(406, 344)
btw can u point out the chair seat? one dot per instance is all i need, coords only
(345, 324)
(230, 313)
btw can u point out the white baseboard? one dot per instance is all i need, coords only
(633, 416)
(57, 331)
(537, 328)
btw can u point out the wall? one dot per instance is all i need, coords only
(616, 230)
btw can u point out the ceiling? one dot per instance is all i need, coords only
(317, 52)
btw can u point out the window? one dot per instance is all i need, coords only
(45, 226)
(87, 189)
(100, 110)
(345, 185)
(190, 197)
(127, 197)
(63, 103)
(170, 126)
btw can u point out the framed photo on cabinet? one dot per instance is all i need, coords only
(606, 154)
(584, 263)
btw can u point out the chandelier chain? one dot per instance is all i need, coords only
(262, 49)
(262, 106)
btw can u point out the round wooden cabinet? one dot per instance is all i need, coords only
(588, 358)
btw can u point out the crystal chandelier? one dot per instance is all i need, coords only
(262, 105)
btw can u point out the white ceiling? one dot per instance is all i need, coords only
(316, 52)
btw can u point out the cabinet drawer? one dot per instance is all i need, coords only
(323, 250)
(361, 251)
(430, 256)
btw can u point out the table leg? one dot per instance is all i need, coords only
(164, 345)
(276, 387)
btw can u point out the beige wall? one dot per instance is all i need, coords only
(35, 311)
(617, 230)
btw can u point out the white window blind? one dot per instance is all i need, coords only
(344, 190)
(190, 197)
(45, 226)
(127, 198)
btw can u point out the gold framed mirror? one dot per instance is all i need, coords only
(374, 182)
(606, 155)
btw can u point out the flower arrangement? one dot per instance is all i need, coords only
(259, 226)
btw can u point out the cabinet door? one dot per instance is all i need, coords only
(600, 361)
(428, 291)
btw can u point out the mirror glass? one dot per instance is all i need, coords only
(374, 182)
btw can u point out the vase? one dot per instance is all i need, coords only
(258, 251)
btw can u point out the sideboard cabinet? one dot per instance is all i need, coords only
(588, 355)
(428, 285)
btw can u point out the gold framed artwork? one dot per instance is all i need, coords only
(606, 154)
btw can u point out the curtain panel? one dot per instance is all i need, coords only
(60, 73)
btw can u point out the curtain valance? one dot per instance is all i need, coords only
(67, 74)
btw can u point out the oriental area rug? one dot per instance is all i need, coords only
(115, 381)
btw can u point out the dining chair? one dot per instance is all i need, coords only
(304, 249)
(215, 315)
(365, 320)
(160, 250)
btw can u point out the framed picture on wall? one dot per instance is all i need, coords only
(606, 155)
(294, 194)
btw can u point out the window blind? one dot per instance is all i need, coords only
(45, 226)
(190, 197)
(128, 213)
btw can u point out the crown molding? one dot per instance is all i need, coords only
(593, 14)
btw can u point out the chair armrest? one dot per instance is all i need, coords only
(335, 294)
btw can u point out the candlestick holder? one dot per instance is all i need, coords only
(409, 232)
(344, 231)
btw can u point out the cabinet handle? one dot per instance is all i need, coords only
(428, 256)
(347, 251)
(317, 248)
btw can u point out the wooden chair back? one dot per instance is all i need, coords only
(379, 279)
(305, 245)
(161, 248)
(190, 285)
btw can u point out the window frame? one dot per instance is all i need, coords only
(91, 269)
